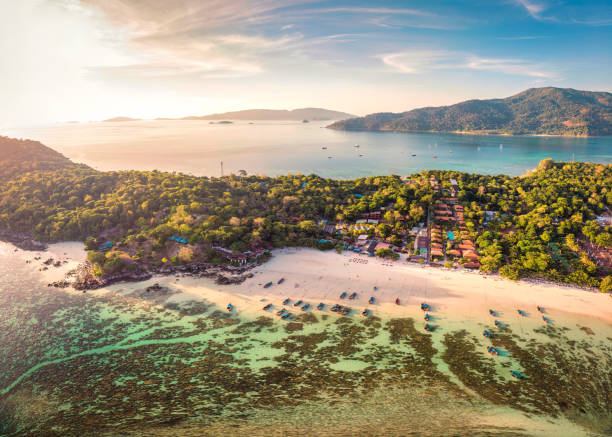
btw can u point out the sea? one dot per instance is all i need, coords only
(202, 148)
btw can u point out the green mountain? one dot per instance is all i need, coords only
(22, 156)
(545, 111)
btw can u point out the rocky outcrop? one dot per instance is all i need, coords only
(22, 241)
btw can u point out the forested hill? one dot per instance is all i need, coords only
(22, 156)
(544, 220)
(545, 111)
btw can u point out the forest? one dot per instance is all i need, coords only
(545, 220)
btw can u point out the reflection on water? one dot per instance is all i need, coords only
(275, 148)
(94, 363)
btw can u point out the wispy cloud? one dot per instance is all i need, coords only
(420, 61)
(356, 10)
(286, 27)
(519, 38)
(533, 8)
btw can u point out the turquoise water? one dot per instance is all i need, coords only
(96, 363)
(275, 148)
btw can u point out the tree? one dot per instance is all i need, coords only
(185, 254)
(510, 271)
(606, 284)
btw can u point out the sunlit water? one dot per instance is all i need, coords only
(109, 361)
(275, 148)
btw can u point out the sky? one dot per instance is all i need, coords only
(84, 60)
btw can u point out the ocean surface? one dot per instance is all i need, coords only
(134, 361)
(275, 148)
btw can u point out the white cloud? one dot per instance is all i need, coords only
(420, 61)
(287, 27)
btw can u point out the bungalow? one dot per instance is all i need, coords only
(470, 254)
(454, 252)
(471, 265)
(420, 242)
(436, 252)
(375, 215)
(436, 245)
(382, 246)
(362, 239)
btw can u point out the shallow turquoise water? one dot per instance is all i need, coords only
(275, 148)
(95, 363)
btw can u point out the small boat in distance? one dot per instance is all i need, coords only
(230, 307)
(320, 306)
(356, 145)
(268, 284)
(434, 157)
(297, 303)
(281, 280)
(397, 301)
(324, 147)
(343, 295)
(286, 301)
(267, 307)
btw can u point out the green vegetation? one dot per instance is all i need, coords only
(543, 220)
(550, 111)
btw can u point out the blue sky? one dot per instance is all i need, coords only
(92, 59)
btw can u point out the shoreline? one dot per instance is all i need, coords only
(476, 133)
(227, 274)
(458, 299)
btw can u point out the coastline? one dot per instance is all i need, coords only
(476, 133)
(315, 276)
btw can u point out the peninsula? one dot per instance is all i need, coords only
(536, 111)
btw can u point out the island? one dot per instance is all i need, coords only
(317, 114)
(552, 224)
(119, 119)
(536, 111)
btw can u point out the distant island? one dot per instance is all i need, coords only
(301, 114)
(122, 119)
(536, 111)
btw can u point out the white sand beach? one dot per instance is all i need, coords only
(315, 276)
